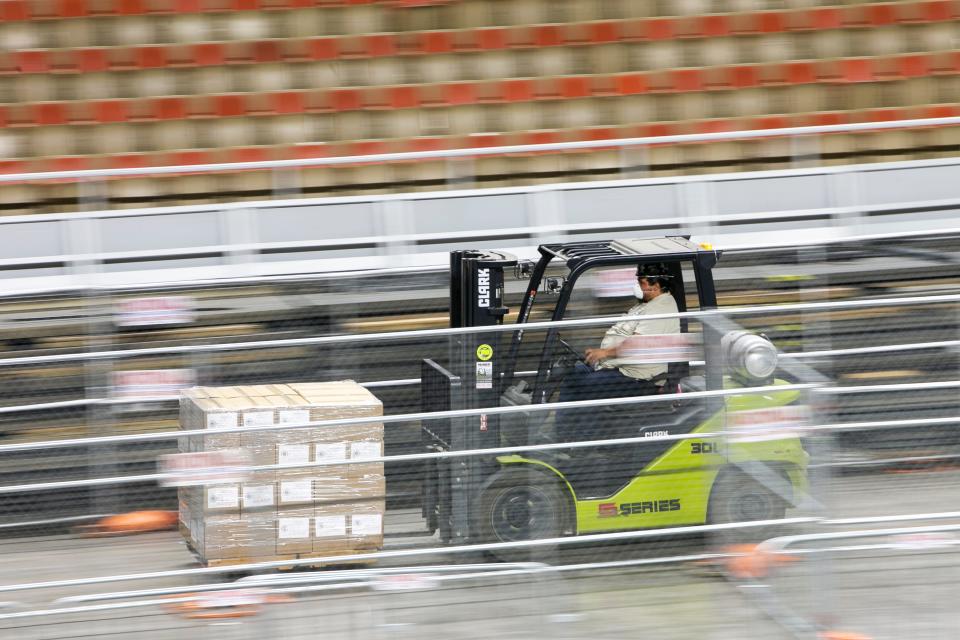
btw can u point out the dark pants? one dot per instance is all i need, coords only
(584, 383)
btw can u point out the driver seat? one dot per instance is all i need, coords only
(676, 371)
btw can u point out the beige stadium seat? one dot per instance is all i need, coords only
(94, 86)
(128, 30)
(304, 23)
(189, 27)
(175, 134)
(363, 19)
(72, 33)
(264, 77)
(130, 193)
(34, 88)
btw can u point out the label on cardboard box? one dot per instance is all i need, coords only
(364, 450)
(226, 420)
(293, 528)
(257, 418)
(329, 526)
(293, 453)
(330, 452)
(294, 416)
(223, 497)
(296, 491)
(258, 495)
(366, 524)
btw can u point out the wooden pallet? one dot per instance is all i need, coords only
(244, 560)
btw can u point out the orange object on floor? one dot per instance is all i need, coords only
(748, 562)
(842, 635)
(133, 522)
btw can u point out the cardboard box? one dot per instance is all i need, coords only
(243, 538)
(340, 529)
(259, 492)
(275, 512)
(294, 527)
(217, 499)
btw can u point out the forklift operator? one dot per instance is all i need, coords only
(605, 373)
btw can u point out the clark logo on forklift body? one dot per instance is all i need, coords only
(483, 288)
(612, 509)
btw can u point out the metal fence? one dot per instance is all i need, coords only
(90, 406)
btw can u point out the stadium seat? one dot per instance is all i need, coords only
(217, 79)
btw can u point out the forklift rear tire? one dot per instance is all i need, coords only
(523, 504)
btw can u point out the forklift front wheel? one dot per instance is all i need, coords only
(522, 504)
(737, 497)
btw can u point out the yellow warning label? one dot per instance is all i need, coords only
(484, 352)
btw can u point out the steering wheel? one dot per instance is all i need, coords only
(570, 351)
(564, 360)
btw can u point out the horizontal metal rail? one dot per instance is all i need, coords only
(862, 351)
(798, 355)
(477, 570)
(755, 217)
(441, 266)
(498, 451)
(463, 413)
(774, 545)
(409, 553)
(780, 544)
(272, 579)
(505, 328)
(487, 151)
(406, 417)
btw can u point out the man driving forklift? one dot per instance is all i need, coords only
(608, 371)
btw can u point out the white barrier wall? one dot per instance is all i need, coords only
(400, 230)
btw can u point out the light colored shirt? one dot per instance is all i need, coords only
(662, 304)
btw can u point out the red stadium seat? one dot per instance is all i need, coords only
(436, 42)
(91, 60)
(659, 29)
(48, 113)
(495, 38)
(110, 111)
(187, 157)
(209, 54)
(345, 99)
(151, 57)
(169, 108)
(128, 161)
(37, 61)
(632, 83)
(324, 48)
(458, 93)
(229, 105)
(248, 154)
(288, 102)
(14, 10)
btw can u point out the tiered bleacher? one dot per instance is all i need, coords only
(130, 83)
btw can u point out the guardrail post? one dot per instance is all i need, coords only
(805, 151)
(634, 162)
(696, 206)
(286, 182)
(92, 195)
(461, 173)
(239, 230)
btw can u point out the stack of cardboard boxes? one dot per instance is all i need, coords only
(289, 512)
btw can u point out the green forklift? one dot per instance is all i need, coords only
(660, 482)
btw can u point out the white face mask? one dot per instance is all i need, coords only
(637, 291)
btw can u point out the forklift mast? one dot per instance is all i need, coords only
(470, 379)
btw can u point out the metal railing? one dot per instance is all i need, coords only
(484, 151)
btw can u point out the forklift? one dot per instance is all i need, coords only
(579, 490)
